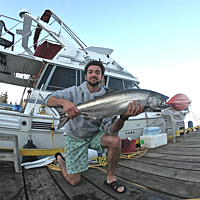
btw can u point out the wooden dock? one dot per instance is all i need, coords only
(168, 172)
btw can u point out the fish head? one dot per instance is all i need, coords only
(157, 101)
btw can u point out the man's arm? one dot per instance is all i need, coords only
(133, 110)
(71, 110)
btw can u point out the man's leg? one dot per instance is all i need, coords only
(73, 179)
(113, 142)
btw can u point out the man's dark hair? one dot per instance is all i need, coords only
(95, 62)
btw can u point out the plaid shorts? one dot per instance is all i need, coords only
(76, 152)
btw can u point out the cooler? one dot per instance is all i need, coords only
(128, 145)
(153, 141)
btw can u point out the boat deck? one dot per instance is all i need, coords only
(167, 172)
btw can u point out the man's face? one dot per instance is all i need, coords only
(93, 76)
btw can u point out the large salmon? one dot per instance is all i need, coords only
(116, 103)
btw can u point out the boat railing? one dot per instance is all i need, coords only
(61, 24)
(4, 42)
(28, 49)
(69, 31)
(8, 30)
(32, 110)
(40, 41)
(6, 106)
(22, 39)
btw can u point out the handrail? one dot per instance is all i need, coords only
(32, 110)
(74, 37)
(37, 42)
(10, 29)
(23, 37)
(59, 21)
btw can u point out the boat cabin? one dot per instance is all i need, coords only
(57, 77)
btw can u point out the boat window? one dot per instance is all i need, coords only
(83, 76)
(115, 83)
(62, 79)
(45, 76)
(128, 84)
(78, 77)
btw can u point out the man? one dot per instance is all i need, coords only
(83, 134)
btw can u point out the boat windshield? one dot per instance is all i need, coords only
(116, 83)
(59, 77)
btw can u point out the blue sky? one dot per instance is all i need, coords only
(157, 41)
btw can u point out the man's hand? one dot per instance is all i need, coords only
(71, 110)
(133, 110)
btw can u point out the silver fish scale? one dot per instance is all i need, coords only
(114, 104)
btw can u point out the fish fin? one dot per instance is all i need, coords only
(87, 117)
(93, 119)
(60, 110)
(64, 118)
(63, 122)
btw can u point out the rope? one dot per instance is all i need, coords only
(139, 152)
(52, 126)
(54, 166)
(194, 116)
(102, 161)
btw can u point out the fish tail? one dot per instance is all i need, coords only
(64, 118)
(63, 121)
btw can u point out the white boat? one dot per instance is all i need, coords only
(56, 63)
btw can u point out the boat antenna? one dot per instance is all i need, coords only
(63, 16)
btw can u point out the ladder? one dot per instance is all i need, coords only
(7, 156)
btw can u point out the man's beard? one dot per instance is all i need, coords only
(93, 84)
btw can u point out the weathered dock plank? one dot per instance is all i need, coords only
(188, 140)
(166, 148)
(97, 177)
(193, 134)
(173, 157)
(185, 152)
(172, 164)
(40, 185)
(164, 185)
(184, 145)
(171, 169)
(11, 183)
(84, 190)
(163, 171)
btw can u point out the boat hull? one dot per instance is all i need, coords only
(38, 127)
(133, 128)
